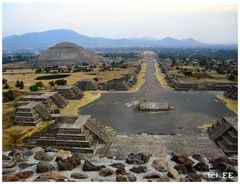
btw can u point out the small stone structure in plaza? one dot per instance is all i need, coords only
(153, 106)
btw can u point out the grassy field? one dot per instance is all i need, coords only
(231, 104)
(14, 135)
(160, 76)
(209, 76)
(28, 77)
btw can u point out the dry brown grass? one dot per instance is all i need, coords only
(14, 135)
(74, 106)
(230, 104)
(28, 77)
(161, 77)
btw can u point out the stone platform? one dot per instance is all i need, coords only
(153, 106)
(52, 100)
(76, 133)
(31, 114)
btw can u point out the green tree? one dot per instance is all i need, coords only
(6, 86)
(38, 70)
(187, 73)
(4, 81)
(61, 82)
(39, 84)
(33, 88)
(51, 83)
(8, 96)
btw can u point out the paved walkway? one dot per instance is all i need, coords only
(192, 109)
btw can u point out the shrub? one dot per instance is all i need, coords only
(39, 84)
(61, 82)
(8, 96)
(39, 70)
(6, 86)
(33, 88)
(4, 81)
(19, 84)
(51, 83)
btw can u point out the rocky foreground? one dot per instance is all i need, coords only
(48, 164)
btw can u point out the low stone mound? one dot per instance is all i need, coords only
(153, 106)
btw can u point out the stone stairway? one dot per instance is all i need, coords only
(70, 92)
(80, 135)
(42, 110)
(98, 132)
(224, 133)
(59, 100)
(232, 92)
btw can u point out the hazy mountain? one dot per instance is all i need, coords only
(43, 40)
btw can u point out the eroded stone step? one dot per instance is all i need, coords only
(71, 136)
(62, 142)
(69, 131)
(226, 149)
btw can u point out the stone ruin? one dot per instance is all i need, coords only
(225, 134)
(85, 85)
(231, 92)
(31, 114)
(38, 106)
(52, 100)
(153, 106)
(80, 134)
(116, 84)
(121, 84)
(181, 85)
(70, 92)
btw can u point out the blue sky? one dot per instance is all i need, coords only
(210, 23)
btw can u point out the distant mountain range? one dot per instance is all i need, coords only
(35, 41)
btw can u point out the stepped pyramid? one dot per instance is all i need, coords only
(85, 85)
(76, 133)
(31, 114)
(232, 93)
(225, 134)
(70, 92)
(52, 100)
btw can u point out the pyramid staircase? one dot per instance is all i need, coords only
(225, 134)
(80, 134)
(42, 110)
(59, 100)
(232, 92)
